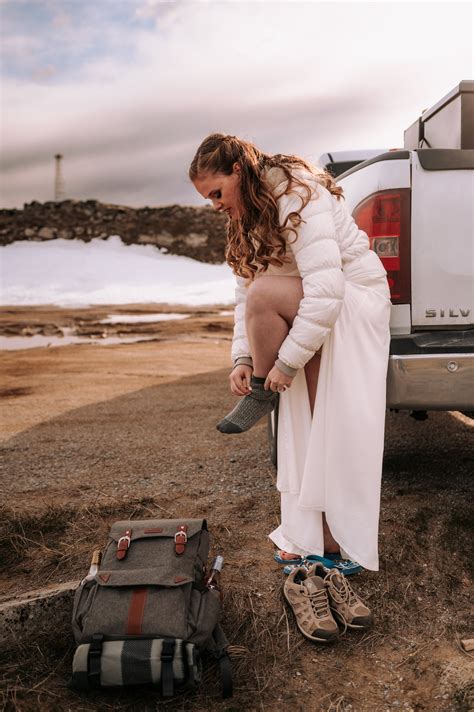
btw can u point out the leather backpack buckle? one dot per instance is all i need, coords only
(180, 539)
(123, 544)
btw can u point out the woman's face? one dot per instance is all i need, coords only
(223, 191)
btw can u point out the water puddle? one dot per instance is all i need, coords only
(18, 343)
(137, 318)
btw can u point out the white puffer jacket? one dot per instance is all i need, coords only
(326, 241)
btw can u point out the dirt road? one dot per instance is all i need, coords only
(96, 433)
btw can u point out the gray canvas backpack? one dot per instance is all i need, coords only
(146, 615)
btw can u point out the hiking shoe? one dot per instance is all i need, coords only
(345, 604)
(308, 597)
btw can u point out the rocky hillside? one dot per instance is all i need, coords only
(195, 232)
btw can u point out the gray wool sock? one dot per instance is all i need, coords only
(249, 409)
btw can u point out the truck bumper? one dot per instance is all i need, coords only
(431, 381)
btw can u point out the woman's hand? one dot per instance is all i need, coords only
(277, 381)
(240, 380)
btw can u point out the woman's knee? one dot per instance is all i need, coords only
(279, 294)
(259, 296)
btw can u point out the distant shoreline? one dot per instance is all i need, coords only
(45, 326)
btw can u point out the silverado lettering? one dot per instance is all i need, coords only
(452, 312)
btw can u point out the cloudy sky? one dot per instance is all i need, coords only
(127, 89)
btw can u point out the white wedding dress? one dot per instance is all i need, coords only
(331, 462)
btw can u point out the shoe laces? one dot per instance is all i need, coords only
(319, 603)
(341, 591)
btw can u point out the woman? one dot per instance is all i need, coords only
(312, 314)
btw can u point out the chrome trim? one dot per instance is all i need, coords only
(431, 382)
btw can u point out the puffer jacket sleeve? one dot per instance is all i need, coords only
(318, 258)
(240, 345)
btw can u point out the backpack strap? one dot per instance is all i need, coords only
(93, 660)
(222, 657)
(167, 675)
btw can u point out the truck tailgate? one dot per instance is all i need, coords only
(442, 255)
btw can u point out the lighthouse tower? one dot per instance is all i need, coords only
(58, 179)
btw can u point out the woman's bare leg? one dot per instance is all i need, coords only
(271, 307)
(311, 371)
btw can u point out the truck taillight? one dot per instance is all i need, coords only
(385, 217)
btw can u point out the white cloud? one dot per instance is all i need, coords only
(164, 12)
(61, 19)
(19, 47)
(45, 72)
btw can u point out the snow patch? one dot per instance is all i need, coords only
(76, 273)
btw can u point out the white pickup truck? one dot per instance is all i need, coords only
(416, 205)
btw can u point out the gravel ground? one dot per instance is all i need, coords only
(93, 434)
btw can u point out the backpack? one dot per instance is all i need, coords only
(146, 616)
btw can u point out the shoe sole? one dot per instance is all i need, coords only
(307, 635)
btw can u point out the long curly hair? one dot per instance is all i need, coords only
(257, 239)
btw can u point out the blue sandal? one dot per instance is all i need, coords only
(330, 561)
(345, 566)
(334, 561)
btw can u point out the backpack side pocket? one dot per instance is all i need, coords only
(83, 600)
(207, 619)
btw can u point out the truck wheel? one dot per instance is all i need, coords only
(419, 415)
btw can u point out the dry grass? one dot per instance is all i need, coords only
(59, 540)
(420, 599)
(34, 674)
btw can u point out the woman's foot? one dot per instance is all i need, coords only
(287, 557)
(284, 557)
(249, 409)
(331, 553)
